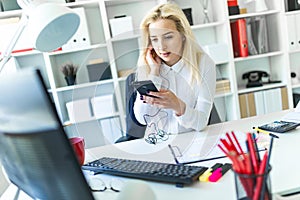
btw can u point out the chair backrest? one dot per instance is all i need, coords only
(3, 181)
(134, 128)
(214, 117)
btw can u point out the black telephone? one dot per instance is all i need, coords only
(254, 78)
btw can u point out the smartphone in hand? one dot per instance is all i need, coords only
(143, 87)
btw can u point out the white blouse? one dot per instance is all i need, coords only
(198, 98)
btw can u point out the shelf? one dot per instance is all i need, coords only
(68, 123)
(127, 36)
(207, 25)
(294, 51)
(294, 12)
(296, 86)
(113, 2)
(78, 49)
(84, 85)
(10, 13)
(223, 94)
(86, 4)
(252, 57)
(122, 79)
(222, 63)
(264, 87)
(269, 12)
(26, 53)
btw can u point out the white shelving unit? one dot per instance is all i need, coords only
(292, 30)
(122, 52)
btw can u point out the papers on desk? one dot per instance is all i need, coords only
(205, 148)
(293, 116)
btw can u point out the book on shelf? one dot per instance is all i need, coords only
(259, 34)
(223, 89)
(239, 38)
(222, 85)
(263, 102)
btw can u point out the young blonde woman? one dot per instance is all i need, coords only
(183, 73)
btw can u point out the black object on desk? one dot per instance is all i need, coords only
(279, 126)
(156, 171)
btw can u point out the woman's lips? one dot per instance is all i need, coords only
(165, 54)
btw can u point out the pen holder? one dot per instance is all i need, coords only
(253, 186)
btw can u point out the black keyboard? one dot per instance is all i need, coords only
(156, 171)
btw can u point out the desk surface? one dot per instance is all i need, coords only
(284, 158)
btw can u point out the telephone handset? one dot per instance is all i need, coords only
(153, 53)
(155, 57)
(254, 78)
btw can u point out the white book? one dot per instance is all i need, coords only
(79, 110)
(259, 103)
(262, 36)
(272, 100)
(292, 31)
(297, 25)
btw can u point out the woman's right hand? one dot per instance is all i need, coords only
(153, 60)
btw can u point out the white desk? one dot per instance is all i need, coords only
(284, 160)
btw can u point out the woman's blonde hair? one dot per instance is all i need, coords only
(191, 51)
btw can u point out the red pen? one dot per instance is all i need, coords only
(231, 154)
(237, 142)
(260, 178)
(231, 143)
(226, 145)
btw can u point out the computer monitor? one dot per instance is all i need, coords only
(34, 149)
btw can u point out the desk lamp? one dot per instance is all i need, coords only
(51, 25)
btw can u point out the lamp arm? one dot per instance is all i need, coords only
(6, 54)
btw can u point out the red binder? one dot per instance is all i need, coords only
(232, 2)
(239, 38)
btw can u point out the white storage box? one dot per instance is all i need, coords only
(79, 110)
(82, 36)
(121, 25)
(103, 106)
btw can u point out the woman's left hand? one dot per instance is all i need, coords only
(166, 99)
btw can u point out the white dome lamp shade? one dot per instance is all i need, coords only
(51, 25)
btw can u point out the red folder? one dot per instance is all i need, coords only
(232, 2)
(239, 38)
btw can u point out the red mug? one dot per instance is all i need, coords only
(78, 146)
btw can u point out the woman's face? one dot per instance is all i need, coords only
(166, 40)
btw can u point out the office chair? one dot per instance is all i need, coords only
(134, 129)
(214, 117)
(4, 183)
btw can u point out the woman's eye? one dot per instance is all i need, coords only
(169, 37)
(154, 40)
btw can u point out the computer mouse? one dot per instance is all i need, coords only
(136, 190)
